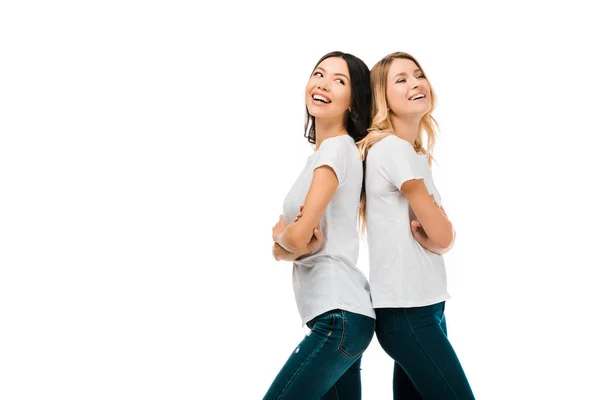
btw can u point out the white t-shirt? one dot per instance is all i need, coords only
(402, 273)
(329, 279)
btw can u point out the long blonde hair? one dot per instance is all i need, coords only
(381, 126)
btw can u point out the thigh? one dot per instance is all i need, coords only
(420, 345)
(404, 388)
(349, 386)
(389, 335)
(358, 331)
(321, 359)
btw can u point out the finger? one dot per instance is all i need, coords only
(414, 227)
(419, 238)
(301, 207)
(318, 234)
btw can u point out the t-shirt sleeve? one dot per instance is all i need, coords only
(335, 154)
(398, 162)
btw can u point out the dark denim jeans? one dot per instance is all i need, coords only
(426, 365)
(326, 364)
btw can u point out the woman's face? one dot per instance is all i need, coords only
(408, 92)
(328, 91)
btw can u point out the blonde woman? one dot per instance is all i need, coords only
(408, 231)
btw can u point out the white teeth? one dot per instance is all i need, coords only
(417, 96)
(320, 98)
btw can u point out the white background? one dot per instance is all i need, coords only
(146, 148)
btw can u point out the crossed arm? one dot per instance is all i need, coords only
(303, 235)
(428, 221)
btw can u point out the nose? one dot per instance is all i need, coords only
(323, 86)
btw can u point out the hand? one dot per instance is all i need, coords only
(316, 241)
(421, 237)
(417, 230)
(278, 228)
(281, 254)
(299, 215)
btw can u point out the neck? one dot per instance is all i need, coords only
(406, 128)
(325, 129)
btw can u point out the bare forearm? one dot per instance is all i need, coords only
(432, 218)
(434, 221)
(290, 239)
(281, 254)
(423, 238)
(434, 248)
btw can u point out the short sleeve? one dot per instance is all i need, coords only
(334, 153)
(398, 161)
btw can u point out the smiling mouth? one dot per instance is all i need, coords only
(417, 96)
(320, 99)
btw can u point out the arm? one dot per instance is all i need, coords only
(421, 236)
(296, 237)
(281, 254)
(431, 218)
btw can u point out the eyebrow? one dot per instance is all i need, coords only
(404, 73)
(336, 74)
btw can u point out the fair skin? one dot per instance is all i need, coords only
(328, 99)
(408, 95)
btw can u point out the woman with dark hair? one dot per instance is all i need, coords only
(332, 294)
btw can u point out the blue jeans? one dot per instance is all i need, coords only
(326, 364)
(426, 365)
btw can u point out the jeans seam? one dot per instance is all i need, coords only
(340, 349)
(340, 345)
(337, 395)
(393, 331)
(428, 355)
(303, 364)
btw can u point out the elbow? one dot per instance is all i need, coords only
(446, 241)
(294, 242)
(445, 238)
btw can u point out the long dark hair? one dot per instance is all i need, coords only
(359, 119)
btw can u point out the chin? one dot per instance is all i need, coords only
(317, 113)
(424, 109)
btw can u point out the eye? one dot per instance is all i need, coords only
(401, 80)
(340, 81)
(421, 76)
(318, 74)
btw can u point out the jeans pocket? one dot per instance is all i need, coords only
(357, 332)
(324, 323)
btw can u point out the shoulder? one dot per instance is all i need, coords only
(343, 144)
(391, 145)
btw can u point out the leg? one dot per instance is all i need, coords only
(443, 325)
(348, 386)
(415, 338)
(336, 340)
(404, 389)
(386, 328)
